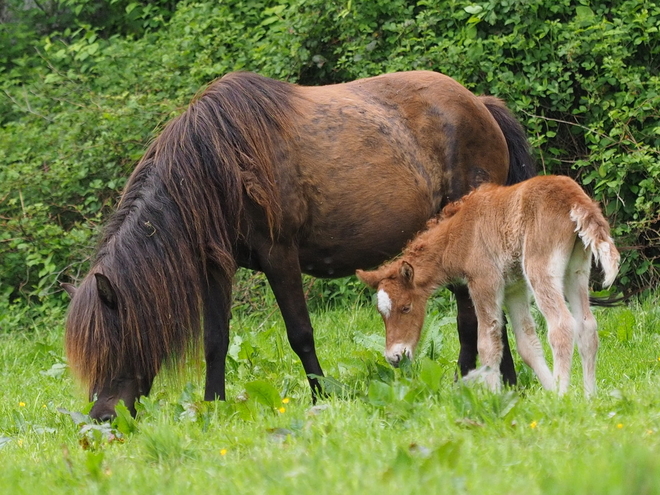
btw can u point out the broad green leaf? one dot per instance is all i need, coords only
(124, 422)
(380, 394)
(264, 393)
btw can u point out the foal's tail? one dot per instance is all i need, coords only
(521, 163)
(594, 231)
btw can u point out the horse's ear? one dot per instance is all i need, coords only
(69, 288)
(407, 273)
(372, 278)
(106, 291)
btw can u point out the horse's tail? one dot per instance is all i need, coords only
(522, 165)
(593, 229)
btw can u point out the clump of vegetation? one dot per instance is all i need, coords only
(85, 84)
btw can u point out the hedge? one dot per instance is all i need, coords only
(80, 100)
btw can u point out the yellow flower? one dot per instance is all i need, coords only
(21, 404)
(533, 425)
(282, 410)
(285, 400)
(619, 426)
(223, 451)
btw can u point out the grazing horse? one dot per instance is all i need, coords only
(283, 179)
(505, 241)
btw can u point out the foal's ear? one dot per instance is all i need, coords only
(69, 288)
(106, 291)
(407, 273)
(372, 279)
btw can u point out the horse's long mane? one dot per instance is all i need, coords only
(178, 223)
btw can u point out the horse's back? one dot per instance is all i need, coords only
(422, 120)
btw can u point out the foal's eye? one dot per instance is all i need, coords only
(406, 309)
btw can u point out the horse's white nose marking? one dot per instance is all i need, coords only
(384, 303)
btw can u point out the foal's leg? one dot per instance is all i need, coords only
(217, 311)
(487, 295)
(282, 268)
(547, 287)
(466, 321)
(524, 328)
(576, 288)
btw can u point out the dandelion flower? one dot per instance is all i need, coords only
(223, 451)
(282, 410)
(21, 404)
(619, 426)
(533, 425)
(285, 400)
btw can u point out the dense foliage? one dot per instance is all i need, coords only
(85, 84)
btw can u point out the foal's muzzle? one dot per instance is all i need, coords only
(395, 354)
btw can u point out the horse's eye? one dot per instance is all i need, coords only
(406, 309)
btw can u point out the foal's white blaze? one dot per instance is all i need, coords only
(384, 303)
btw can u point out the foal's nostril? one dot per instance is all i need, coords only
(394, 360)
(398, 352)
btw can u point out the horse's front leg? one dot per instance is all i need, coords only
(466, 321)
(282, 269)
(217, 312)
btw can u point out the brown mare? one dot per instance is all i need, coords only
(505, 241)
(287, 180)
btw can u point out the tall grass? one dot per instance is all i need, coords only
(412, 430)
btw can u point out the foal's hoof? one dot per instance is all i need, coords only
(486, 376)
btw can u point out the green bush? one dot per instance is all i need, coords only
(582, 76)
(80, 99)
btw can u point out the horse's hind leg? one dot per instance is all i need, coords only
(466, 320)
(217, 311)
(527, 341)
(577, 293)
(282, 268)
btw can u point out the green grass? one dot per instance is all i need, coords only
(383, 431)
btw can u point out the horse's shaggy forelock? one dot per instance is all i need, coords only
(178, 221)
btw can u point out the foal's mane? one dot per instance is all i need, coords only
(177, 224)
(423, 239)
(454, 207)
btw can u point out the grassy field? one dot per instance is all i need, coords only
(382, 431)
